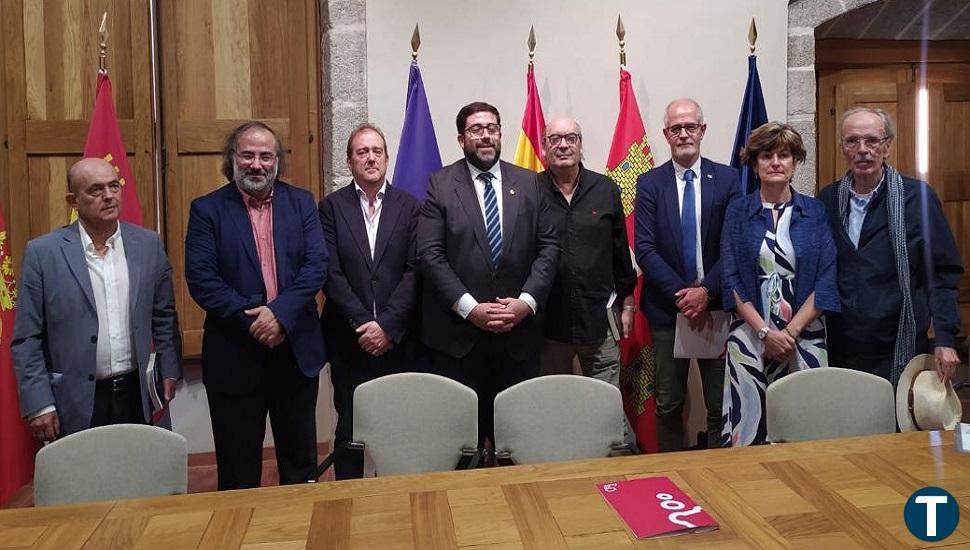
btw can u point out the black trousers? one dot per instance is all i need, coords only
(118, 401)
(348, 371)
(488, 369)
(239, 425)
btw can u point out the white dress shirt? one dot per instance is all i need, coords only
(467, 302)
(109, 282)
(858, 206)
(681, 185)
(371, 219)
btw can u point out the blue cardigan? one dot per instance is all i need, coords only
(744, 230)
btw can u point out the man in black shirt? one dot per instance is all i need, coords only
(595, 263)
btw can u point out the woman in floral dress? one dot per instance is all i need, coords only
(778, 262)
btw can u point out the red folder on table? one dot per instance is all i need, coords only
(655, 507)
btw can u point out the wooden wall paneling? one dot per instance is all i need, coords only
(15, 104)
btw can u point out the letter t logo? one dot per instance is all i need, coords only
(931, 502)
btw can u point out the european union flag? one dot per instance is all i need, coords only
(418, 155)
(753, 114)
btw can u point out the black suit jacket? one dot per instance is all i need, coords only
(454, 258)
(355, 282)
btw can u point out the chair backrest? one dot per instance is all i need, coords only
(111, 462)
(415, 422)
(829, 402)
(558, 417)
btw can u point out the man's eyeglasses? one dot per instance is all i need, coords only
(691, 128)
(854, 142)
(479, 130)
(556, 139)
(249, 157)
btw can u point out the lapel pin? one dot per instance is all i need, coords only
(512, 191)
(709, 176)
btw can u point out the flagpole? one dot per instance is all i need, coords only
(103, 53)
(752, 35)
(621, 35)
(415, 43)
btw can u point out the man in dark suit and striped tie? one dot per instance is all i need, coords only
(487, 252)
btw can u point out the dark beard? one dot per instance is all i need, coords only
(480, 163)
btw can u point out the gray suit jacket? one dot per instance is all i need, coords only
(56, 328)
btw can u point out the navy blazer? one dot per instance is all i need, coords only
(815, 270)
(658, 240)
(356, 283)
(224, 278)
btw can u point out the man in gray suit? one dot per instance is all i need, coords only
(93, 298)
(487, 251)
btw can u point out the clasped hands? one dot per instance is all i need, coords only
(266, 329)
(502, 315)
(692, 302)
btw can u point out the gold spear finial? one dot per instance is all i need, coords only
(415, 42)
(620, 35)
(752, 35)
(103, 54)
(532, 44)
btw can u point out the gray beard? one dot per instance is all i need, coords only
(253, 185)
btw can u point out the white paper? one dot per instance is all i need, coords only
(962, 437)
(705, 344)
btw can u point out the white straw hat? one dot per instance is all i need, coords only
(923, 401)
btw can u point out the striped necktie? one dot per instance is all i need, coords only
(493, 226)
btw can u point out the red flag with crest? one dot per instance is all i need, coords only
(630, 157)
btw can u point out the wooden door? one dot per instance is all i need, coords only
(50, 63)
(225, 62)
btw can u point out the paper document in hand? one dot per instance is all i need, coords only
(655, 507)
(708, 343)
(614, 316)
(156, 389)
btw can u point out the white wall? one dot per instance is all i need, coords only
(477, 51)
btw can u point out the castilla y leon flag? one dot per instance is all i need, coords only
(630, 157)
(17, 446)
(104, 141)
(528, 152)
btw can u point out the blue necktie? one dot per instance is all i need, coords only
(493, 226)
(688, 229)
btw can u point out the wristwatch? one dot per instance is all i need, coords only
(762, 332)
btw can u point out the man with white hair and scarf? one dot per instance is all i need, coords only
(898, 264)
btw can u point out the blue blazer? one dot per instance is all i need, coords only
(659, 241)
(811, 237)
(224, 278)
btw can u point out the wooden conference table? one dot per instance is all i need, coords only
(840, 494)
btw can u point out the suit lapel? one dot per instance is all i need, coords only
(74, 256)
(707, 183)
(236, 210)
(468, 198)
(390, 212)
(510, 209)
(135, 258)
(286, 225)
(671, 205)
(349, 206)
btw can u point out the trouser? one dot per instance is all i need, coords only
(600, 361)
(239, 425)
(347, 373)
(488, 369)
(117, 400)
(671, 384)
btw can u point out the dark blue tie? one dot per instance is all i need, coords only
(688, 228)
(493, 226)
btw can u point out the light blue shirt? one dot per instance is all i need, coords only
(858, 204)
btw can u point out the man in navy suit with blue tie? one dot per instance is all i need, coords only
(254, 261)
(679, 213)
(371, 282)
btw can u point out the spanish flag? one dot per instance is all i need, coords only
(528, 152)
